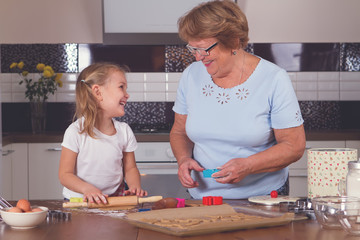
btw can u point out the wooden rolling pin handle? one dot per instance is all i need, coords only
(149, 199)
(74, 204)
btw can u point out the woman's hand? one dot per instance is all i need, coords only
(93, 194)
(136, 191)
(233, 171)
(289, 148)
(184, 171)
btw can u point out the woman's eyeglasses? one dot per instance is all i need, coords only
(200, 51)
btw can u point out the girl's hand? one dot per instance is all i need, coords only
(184, 171)
(136, 191)
(92, 194)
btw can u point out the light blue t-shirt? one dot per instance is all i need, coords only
(236, 123)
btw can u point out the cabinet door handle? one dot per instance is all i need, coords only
(54, 149)
(7, 152)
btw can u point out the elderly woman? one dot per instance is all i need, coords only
(234, 111)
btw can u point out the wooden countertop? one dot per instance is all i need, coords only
(90, 225)
(54, 137)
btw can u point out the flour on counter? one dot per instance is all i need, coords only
(110, 213)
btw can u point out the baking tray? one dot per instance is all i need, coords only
(253, 219)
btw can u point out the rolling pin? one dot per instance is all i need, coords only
(114, 202)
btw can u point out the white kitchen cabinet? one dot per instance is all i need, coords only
(14, 171)
(5, 173)
(44, 161)
(298, 170)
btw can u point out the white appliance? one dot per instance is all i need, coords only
(158, 169)
(144, 22)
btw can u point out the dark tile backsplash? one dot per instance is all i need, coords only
(70, 58)
(318, 115)
(61, 57)
(350, 56)
(177, 58)
(16, 116)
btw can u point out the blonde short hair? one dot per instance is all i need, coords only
(222, 20)
(86, 102)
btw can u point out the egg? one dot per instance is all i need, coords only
(15, 210)
(24, 205)
(37, 210)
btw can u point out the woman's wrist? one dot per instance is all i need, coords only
(183, 159)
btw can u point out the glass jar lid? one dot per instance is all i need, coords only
(354, 164)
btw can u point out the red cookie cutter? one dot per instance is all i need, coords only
(212, 200)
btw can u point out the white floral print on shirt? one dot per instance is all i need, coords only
(208, 90)
(242, 93)
(223, 98)
(298, 116)
(226, 96)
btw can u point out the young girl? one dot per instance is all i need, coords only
(98, 152)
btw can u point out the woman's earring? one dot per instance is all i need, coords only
(234, 52)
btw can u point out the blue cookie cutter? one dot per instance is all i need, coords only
(208, 172)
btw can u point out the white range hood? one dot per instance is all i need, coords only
(143, 22)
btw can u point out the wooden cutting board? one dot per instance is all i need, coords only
(202, 220)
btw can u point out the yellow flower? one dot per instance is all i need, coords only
(49, 68)
(13, 65)
(40, 66)
(59, 82)
(58, 76)
(47, 74)
(20, 65)
(38, 89)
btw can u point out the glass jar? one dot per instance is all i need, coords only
(353, 179)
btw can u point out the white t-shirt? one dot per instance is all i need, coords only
(99, 160)
(236, 123)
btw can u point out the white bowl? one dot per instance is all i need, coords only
(23, 220)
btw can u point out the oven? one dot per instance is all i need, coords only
(158, 169)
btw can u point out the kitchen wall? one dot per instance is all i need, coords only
(80, 21)
(51, 21)
(325, 73)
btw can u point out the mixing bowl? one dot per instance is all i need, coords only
(326, 209)
(23, 220)
(349, 219)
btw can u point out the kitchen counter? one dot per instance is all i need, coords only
(90, 225)
(54, 137)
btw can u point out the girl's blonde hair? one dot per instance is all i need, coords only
(222, 20)
(86, 102)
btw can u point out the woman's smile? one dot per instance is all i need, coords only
(207, 63)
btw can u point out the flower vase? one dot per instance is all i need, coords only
(38, 116)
